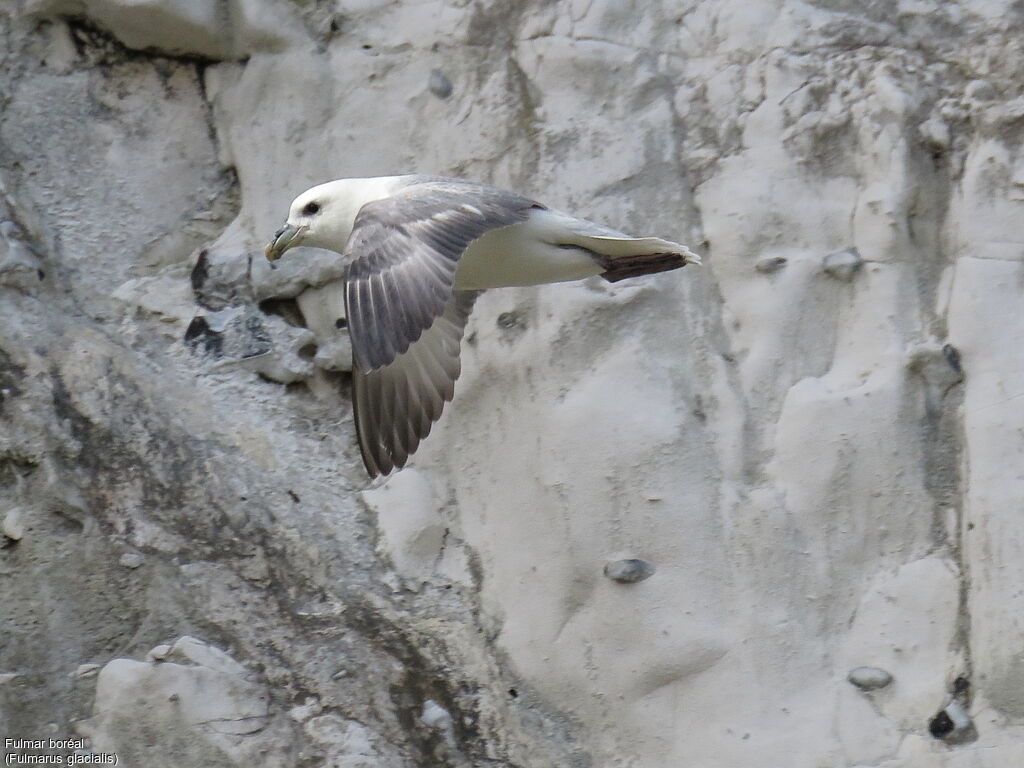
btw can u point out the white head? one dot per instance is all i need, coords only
(321, 217)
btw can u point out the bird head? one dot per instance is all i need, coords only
(321, 217)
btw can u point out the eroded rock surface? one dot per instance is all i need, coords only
(816, 437)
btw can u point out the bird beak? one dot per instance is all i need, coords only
(286, 237)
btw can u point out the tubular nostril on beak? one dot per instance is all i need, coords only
(289, 235)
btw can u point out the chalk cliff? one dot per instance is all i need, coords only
(814, 441)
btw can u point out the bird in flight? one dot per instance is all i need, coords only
(417, 251)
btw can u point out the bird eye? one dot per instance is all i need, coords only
(311, 208)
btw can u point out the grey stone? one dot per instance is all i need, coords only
(869, 678)
(629, 571)
(435, 716)
(439, 84)
(13, 526)
(131, 560)
(843, 265)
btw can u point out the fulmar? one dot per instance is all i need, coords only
(417, 251)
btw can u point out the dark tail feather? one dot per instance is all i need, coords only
(620, 267)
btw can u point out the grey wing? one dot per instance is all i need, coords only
(397, 404)
(402, 255)
(405, 319)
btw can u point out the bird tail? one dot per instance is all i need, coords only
(624, 256)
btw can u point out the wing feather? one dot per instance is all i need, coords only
(397, 404)
(405, 320)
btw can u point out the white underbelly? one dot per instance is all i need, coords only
(522, 254)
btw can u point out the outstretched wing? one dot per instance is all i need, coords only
(405, 319)
(397, 404)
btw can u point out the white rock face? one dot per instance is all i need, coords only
(815, 439)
